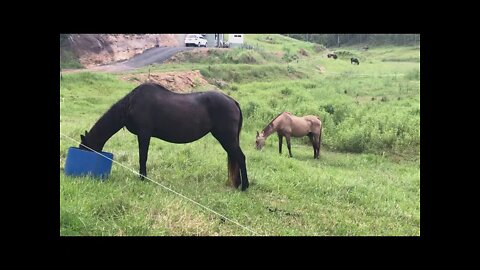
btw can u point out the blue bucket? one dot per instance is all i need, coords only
(83, 162)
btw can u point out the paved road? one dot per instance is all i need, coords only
(154, 55)
(148, 57)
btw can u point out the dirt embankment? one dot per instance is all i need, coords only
(99, 49)
(192, 55)
(177, 81)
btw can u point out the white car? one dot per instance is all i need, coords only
(195, 40)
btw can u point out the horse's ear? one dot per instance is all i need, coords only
(257, 133)
(86, 132)
(82, 138)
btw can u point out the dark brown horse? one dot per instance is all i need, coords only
(288, 125)
(150, 110)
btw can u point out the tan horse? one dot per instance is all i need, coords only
(288, 125)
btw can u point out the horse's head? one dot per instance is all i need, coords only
(83, 142)
(259, 141)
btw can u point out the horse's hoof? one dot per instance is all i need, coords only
(244, 187)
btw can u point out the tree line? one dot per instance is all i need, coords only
(337, 40)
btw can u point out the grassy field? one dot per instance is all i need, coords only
(367, 181)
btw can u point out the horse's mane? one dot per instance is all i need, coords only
(270, 125)
(156, 85)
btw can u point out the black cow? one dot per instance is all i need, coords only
(332, 55)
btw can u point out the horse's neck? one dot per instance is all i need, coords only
(270, 128)
(97, 137)
(102, 131)
(110, 122)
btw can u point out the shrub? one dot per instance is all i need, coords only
(250, 109)
(329, 108)
(344, 54)
(286, 91)
(303, 52)
(319, 48)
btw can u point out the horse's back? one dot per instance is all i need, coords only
(312, 118)
(177, 117)
(151, 94)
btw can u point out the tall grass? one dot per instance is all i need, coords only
(367, 181)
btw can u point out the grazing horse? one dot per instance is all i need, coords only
(332, 55)
(150, 110)
(354, 60)
(288, 125)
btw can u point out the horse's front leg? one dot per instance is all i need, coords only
(143, 143)
(280, 142)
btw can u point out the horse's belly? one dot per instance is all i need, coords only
(184, 132)
(300, 130)
(180, 137)
(299, 134)
(179, 128)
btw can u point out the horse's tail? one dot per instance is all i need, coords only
(233, 172)
(240, 123)
(320, 138)
(233, 167)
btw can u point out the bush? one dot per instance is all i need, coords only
(248, 57)
(338, 112)
(303, 52)
(319, 48)
(286, 91)
(250, 109)
(352, 140)
(329, 108)
(291, 69)
(344, 54)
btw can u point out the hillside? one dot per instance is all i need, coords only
(98, 49)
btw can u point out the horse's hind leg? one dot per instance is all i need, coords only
(230, 144)
(310, 136)
(143, 143)
(318, 141)
(243, 167)
(236, 155)
(288, 145)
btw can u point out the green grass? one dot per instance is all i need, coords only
(367, 181)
